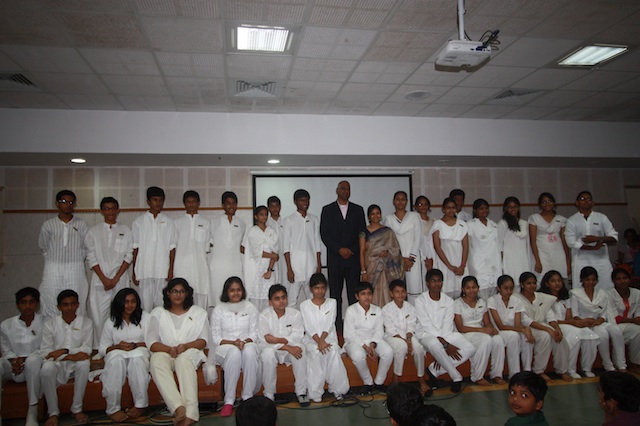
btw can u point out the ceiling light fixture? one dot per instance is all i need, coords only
(262, 38)
(417, 95)
(78, 160)
(273, 161)
(589, 56)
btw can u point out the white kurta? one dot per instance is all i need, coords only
(409, 235)
(596, 224)
(257, 241)
(301, 239)
(540, 311)
(154, 238)
(108, 246)
(630, 331)
(464, 215)
(226, 259)
(549, 242)
(120, 365)
(516, 249)
(280, 266)
(62, 245)
(193, 236)
(485, 261)
(451, 244)
(400, 322)
(426, 244)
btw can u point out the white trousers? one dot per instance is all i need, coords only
(400, 352)
(30, 374)
(359, 357)
(446, 363)
(100, 306)
(150, 292)
(201, 300)
(486, 346)
(606, 332)
(62, 276)
(49, 379)
(235, 360)
(631, 335)
(162, 367)
(323, 368)
(515, 343)
(539, 357)
(116, 370)
(270, 364)
(588, 349)
(297, 290)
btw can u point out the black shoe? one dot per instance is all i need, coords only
(433, 382)
(456, 387)
(379, 388)
(365, 390)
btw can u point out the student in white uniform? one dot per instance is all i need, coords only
(577, 337)
(485, 259)
(423, 207)
(66, 347)
(234, 337)
(437, 333)
(301, 248)
(364, 338)
(275, 222)
(61, 241)
(154, 249)
(458, 196)
(125, 356)
(400, 321)
(546, 235)
(227, 233)
(324, 363)
(472, 319)
(109, 254)
(624, 303)
(513, 237)
(193, 237)
(545, 329)
(20, 339)
(176, 335)
(280, 332)
(590, 308)
(407, 226)
(260, 256)
(507, 315)
(589, 235)
(451, 245)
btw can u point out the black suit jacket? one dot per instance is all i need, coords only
(337, 232)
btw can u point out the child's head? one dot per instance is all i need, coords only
(191, 201)
(278, 297)
(584, 201)
(68, 302)
(257, 411)
(526, 393)
(301, 199)
(505, 286)
(402, 400)
(274, 205)
(619, 392)
(552, 283)
(511, 207)
(589, 277)
(470, 287)
(434, 280)
(27, 300)
(481, 208)
(458, 196)
(260, 215)
(181, 292)
(126, 302)
(400, 200)
(229, 202)
(621, 278)
(398, 291)
(629, 235)
(364, 294)
(431, 415)
(449, 207)
(528, 283)
(233, 290)
(422, 204)
(546, 201)
(318, 285)
(65, 201)
(155, 199)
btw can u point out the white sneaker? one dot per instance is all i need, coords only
(589, 374)
(338, 396)
(270, 396)
(303, 400)
(575, 375)
(317, 399)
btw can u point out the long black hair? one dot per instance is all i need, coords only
(513, 222)
(563, 294)
(188, 300)
(117, 308)
(224, 297)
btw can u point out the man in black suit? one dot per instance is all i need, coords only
(341, 223)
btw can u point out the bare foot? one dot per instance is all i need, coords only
(81, 417)
(566, 377)
(119, 416)
(51, 421)
(546, 378)
(482, 382)
(134, 413)
(188, 422)
(498, 380)
(179, 415)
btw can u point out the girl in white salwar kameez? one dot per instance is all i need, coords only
(590, 308)
(177, 335)
(485, 260)
(234, 335)
(260, 255)
(451, 245)
(513, 237)
(578, 338)
(507, 314)
(125, 356)
(624, 303)
(472, 319)
(423, 207)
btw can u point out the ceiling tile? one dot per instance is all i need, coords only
(487, 111)
(467, 95)
(147, 103)
(534, 52)
(496, 76)
(258, 66)
(570, 114)
(47, 59)
(398, 109)
(191, 64)
(184, 35)
(529, 113)
(444, 110)
(91, 102)
(103, 30)
(547, 79)
(135, 85)
(121, 62)
(67, 83)
(603, 80)
(15, 99)
(560, 98)
(205, 9)
(29, 27)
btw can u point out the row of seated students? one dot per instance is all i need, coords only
(173, 337)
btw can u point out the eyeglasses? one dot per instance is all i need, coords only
(585, 199)
(63, 201)
(176, 292)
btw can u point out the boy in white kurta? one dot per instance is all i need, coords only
(324, 361)
(399, 320)
(20, 339)
(227, 233)
(436, 331)
(61, 241)
(275, 222)
(364, 337)
(154, 249)
(301, 247)
(280, 331)
(193, 236)
(66, 346)
(109, 253)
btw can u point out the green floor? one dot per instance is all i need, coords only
(565, 404)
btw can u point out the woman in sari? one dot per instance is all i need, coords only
(380, 257)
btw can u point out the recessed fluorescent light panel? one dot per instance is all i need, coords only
(589, 56)
(261, 38)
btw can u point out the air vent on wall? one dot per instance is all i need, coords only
(245, 89)
(512, 93)
(12, 81)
